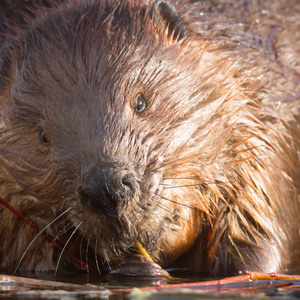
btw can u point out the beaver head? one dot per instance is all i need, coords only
(119, 118)
(100, 121)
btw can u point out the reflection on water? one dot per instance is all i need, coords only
(81, 285)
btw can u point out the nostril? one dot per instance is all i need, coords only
(130, 185)
(83, 190)
(87, 197)
(128, 182)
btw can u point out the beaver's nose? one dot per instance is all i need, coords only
(105, 187)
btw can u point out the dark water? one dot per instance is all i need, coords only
(84, 286)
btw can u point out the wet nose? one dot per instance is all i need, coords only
(105, 187)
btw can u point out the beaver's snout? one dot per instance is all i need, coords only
(106, 186)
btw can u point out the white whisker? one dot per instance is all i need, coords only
(63, 250)
(21, 259)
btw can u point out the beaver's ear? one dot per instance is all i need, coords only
(166, 20)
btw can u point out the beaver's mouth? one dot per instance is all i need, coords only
(139, 264)
(116, 235)
(114, 219)
(164, 231)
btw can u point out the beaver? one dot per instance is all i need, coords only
(170, 123)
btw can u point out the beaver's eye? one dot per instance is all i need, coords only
(140, 103)
(43, 138)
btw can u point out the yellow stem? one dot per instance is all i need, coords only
(142, 250)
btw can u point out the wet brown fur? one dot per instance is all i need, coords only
(215, 155)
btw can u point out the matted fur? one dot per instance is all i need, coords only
(215, 154)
